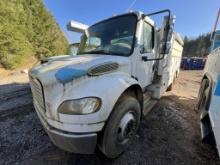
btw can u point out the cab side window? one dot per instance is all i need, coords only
(148, 35)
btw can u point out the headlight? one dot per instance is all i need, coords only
(80, 106)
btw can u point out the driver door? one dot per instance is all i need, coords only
(144, 68)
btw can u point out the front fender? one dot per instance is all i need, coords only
(107, 87)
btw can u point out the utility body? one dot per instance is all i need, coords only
(97, 97)
(209, 93)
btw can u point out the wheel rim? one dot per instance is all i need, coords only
(127, 127)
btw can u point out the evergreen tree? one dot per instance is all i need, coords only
(28, 29)
(197, 47)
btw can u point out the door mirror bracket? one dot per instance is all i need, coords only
(144, 58)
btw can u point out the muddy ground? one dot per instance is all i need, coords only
(169, 134)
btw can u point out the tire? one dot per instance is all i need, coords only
(170, 87)
(203, 95)
(121, 127)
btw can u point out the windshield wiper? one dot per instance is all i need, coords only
(95, 52)
(103, 52)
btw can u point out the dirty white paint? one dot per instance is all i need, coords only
(212, 68)
(173, 66)
(64, 78)
(108, 87)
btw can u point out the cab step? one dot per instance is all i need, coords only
(148, 105)
(147, 96)
(206, 131)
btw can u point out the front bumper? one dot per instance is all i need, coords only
(84, 143)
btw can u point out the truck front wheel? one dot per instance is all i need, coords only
(121, 127)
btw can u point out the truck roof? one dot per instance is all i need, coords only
(139, 15)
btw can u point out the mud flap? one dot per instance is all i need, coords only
(207, 133)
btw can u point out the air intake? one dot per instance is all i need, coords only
(103, 69)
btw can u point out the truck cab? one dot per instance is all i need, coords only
(96, 98)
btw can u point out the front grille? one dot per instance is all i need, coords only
(37, 93)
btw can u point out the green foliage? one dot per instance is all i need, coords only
(28, 29)
(197, 47)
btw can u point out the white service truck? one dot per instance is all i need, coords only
(209, 94)
(97, 97)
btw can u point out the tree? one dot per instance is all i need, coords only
(197, 47)
(28, 29)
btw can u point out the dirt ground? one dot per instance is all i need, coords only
(169, 134)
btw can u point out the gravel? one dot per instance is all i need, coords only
(169, 134)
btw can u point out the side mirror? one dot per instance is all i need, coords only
(167, 33)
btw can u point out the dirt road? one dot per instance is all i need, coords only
(169, 134)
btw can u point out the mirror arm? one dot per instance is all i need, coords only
(153, 59)
(168, 27)
(145, 58)
(159, 12)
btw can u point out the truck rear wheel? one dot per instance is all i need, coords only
(121, 127)
(203, 94)
(170, 87)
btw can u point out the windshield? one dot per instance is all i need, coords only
(114, 36)
(217, 41)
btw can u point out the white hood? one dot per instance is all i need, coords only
(68, 67)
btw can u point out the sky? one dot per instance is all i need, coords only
(193, 17)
